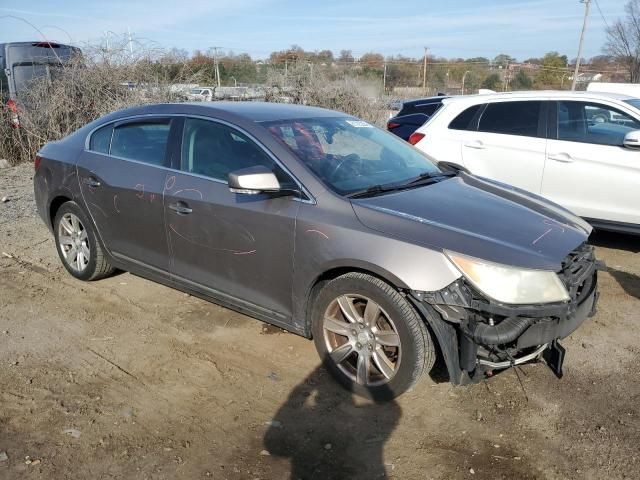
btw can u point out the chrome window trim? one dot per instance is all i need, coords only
(310, 199)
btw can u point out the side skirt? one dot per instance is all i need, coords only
(205, 293)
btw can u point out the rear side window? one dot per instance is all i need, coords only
(463, 121)
(511, 118)
(141, 141)
(101, 140)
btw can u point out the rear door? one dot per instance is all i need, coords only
(588, 170)
(509, 144)
(233, 246)
(122, 177)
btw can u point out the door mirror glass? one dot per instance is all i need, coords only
(632, 139)
(253, 180)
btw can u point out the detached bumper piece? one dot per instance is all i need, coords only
(478, 335)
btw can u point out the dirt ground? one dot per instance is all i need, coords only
(123, 378)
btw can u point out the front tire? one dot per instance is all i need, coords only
(77, 244)
(369, 337)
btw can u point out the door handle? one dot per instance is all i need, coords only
(181, 208)
(477, 144)
(91, 182)
(560, 157)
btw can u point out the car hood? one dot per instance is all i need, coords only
(480, 218)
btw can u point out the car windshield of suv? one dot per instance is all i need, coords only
(350, 155)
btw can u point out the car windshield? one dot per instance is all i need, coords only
(634, 102)
(350, 155)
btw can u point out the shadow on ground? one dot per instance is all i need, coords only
(326, 433)
(618, 241)
(630, 282)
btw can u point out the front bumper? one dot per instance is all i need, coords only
(477, 335)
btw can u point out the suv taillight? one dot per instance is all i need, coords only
(415, 137)
(36, 162)
(12, 106)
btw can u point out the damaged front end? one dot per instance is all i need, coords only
(478, 335)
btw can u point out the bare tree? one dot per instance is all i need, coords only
(623, 40)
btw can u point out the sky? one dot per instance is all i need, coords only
(450, 29)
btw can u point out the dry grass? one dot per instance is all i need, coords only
(303, 85)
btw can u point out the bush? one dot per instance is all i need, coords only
(303, 85)
(86, 88)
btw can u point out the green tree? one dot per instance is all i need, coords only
(522, 81)
(552, 70)
(492, 82)
(503, 60)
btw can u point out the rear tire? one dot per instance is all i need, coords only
(77, 244)
(369, 337)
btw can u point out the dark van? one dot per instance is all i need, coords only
(23, 62)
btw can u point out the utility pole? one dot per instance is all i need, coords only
(384, 79)
(587, 4)
(424, 71)
(215, 64)
(464, 77)
(130, 44)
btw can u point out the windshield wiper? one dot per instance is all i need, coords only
(423, 179)
(373, 190)
(427, 176)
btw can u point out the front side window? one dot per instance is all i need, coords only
(350, 155)
(593, 123)
(511, 118)
(214, 150)
(142, 141)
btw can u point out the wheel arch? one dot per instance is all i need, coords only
(336, 270)
(55, 205)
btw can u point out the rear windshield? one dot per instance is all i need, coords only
(29, 63)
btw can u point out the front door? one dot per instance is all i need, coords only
(122, 178)
(237, 246)
(587, 169)
(509, 145)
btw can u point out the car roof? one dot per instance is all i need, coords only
(537, 94)
(248, 111)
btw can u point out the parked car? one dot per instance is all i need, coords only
(412, 115)
(578, 149)
(631, 89)
(202, 94)
(320, 223)
(21, 63)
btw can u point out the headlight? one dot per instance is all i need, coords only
(509, 284)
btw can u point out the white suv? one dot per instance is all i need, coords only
(579, 149)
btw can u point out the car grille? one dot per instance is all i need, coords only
(578, 272)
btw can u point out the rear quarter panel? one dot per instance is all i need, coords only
(56, 178)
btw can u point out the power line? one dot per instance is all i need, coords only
(601, 15)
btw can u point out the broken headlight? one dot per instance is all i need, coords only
(511, 285)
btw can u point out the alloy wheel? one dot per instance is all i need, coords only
(74, 242)
(362, 340)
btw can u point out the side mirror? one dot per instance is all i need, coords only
(253, 180)
(632, 139)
